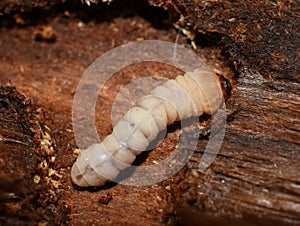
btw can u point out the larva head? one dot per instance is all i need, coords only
(225, 85)
(209, 89)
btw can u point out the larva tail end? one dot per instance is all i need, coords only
(225, 85)
(88, 178)
(77, 177)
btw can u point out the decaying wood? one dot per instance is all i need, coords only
(255, 177)
(262, 36)
(17, 189)
(23, 198)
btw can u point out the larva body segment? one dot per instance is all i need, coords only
(193, 94)
(137, 115)
(157, 109)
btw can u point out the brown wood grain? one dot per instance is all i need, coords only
(255, 176)
(261, 36)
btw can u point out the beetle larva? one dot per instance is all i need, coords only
(190, 95)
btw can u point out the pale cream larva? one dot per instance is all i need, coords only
(193, 94)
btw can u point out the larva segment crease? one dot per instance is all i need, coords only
(156, 109)
(130, 136)
(193, 94)
(137, 115)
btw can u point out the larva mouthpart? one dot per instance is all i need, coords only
(190, 95)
